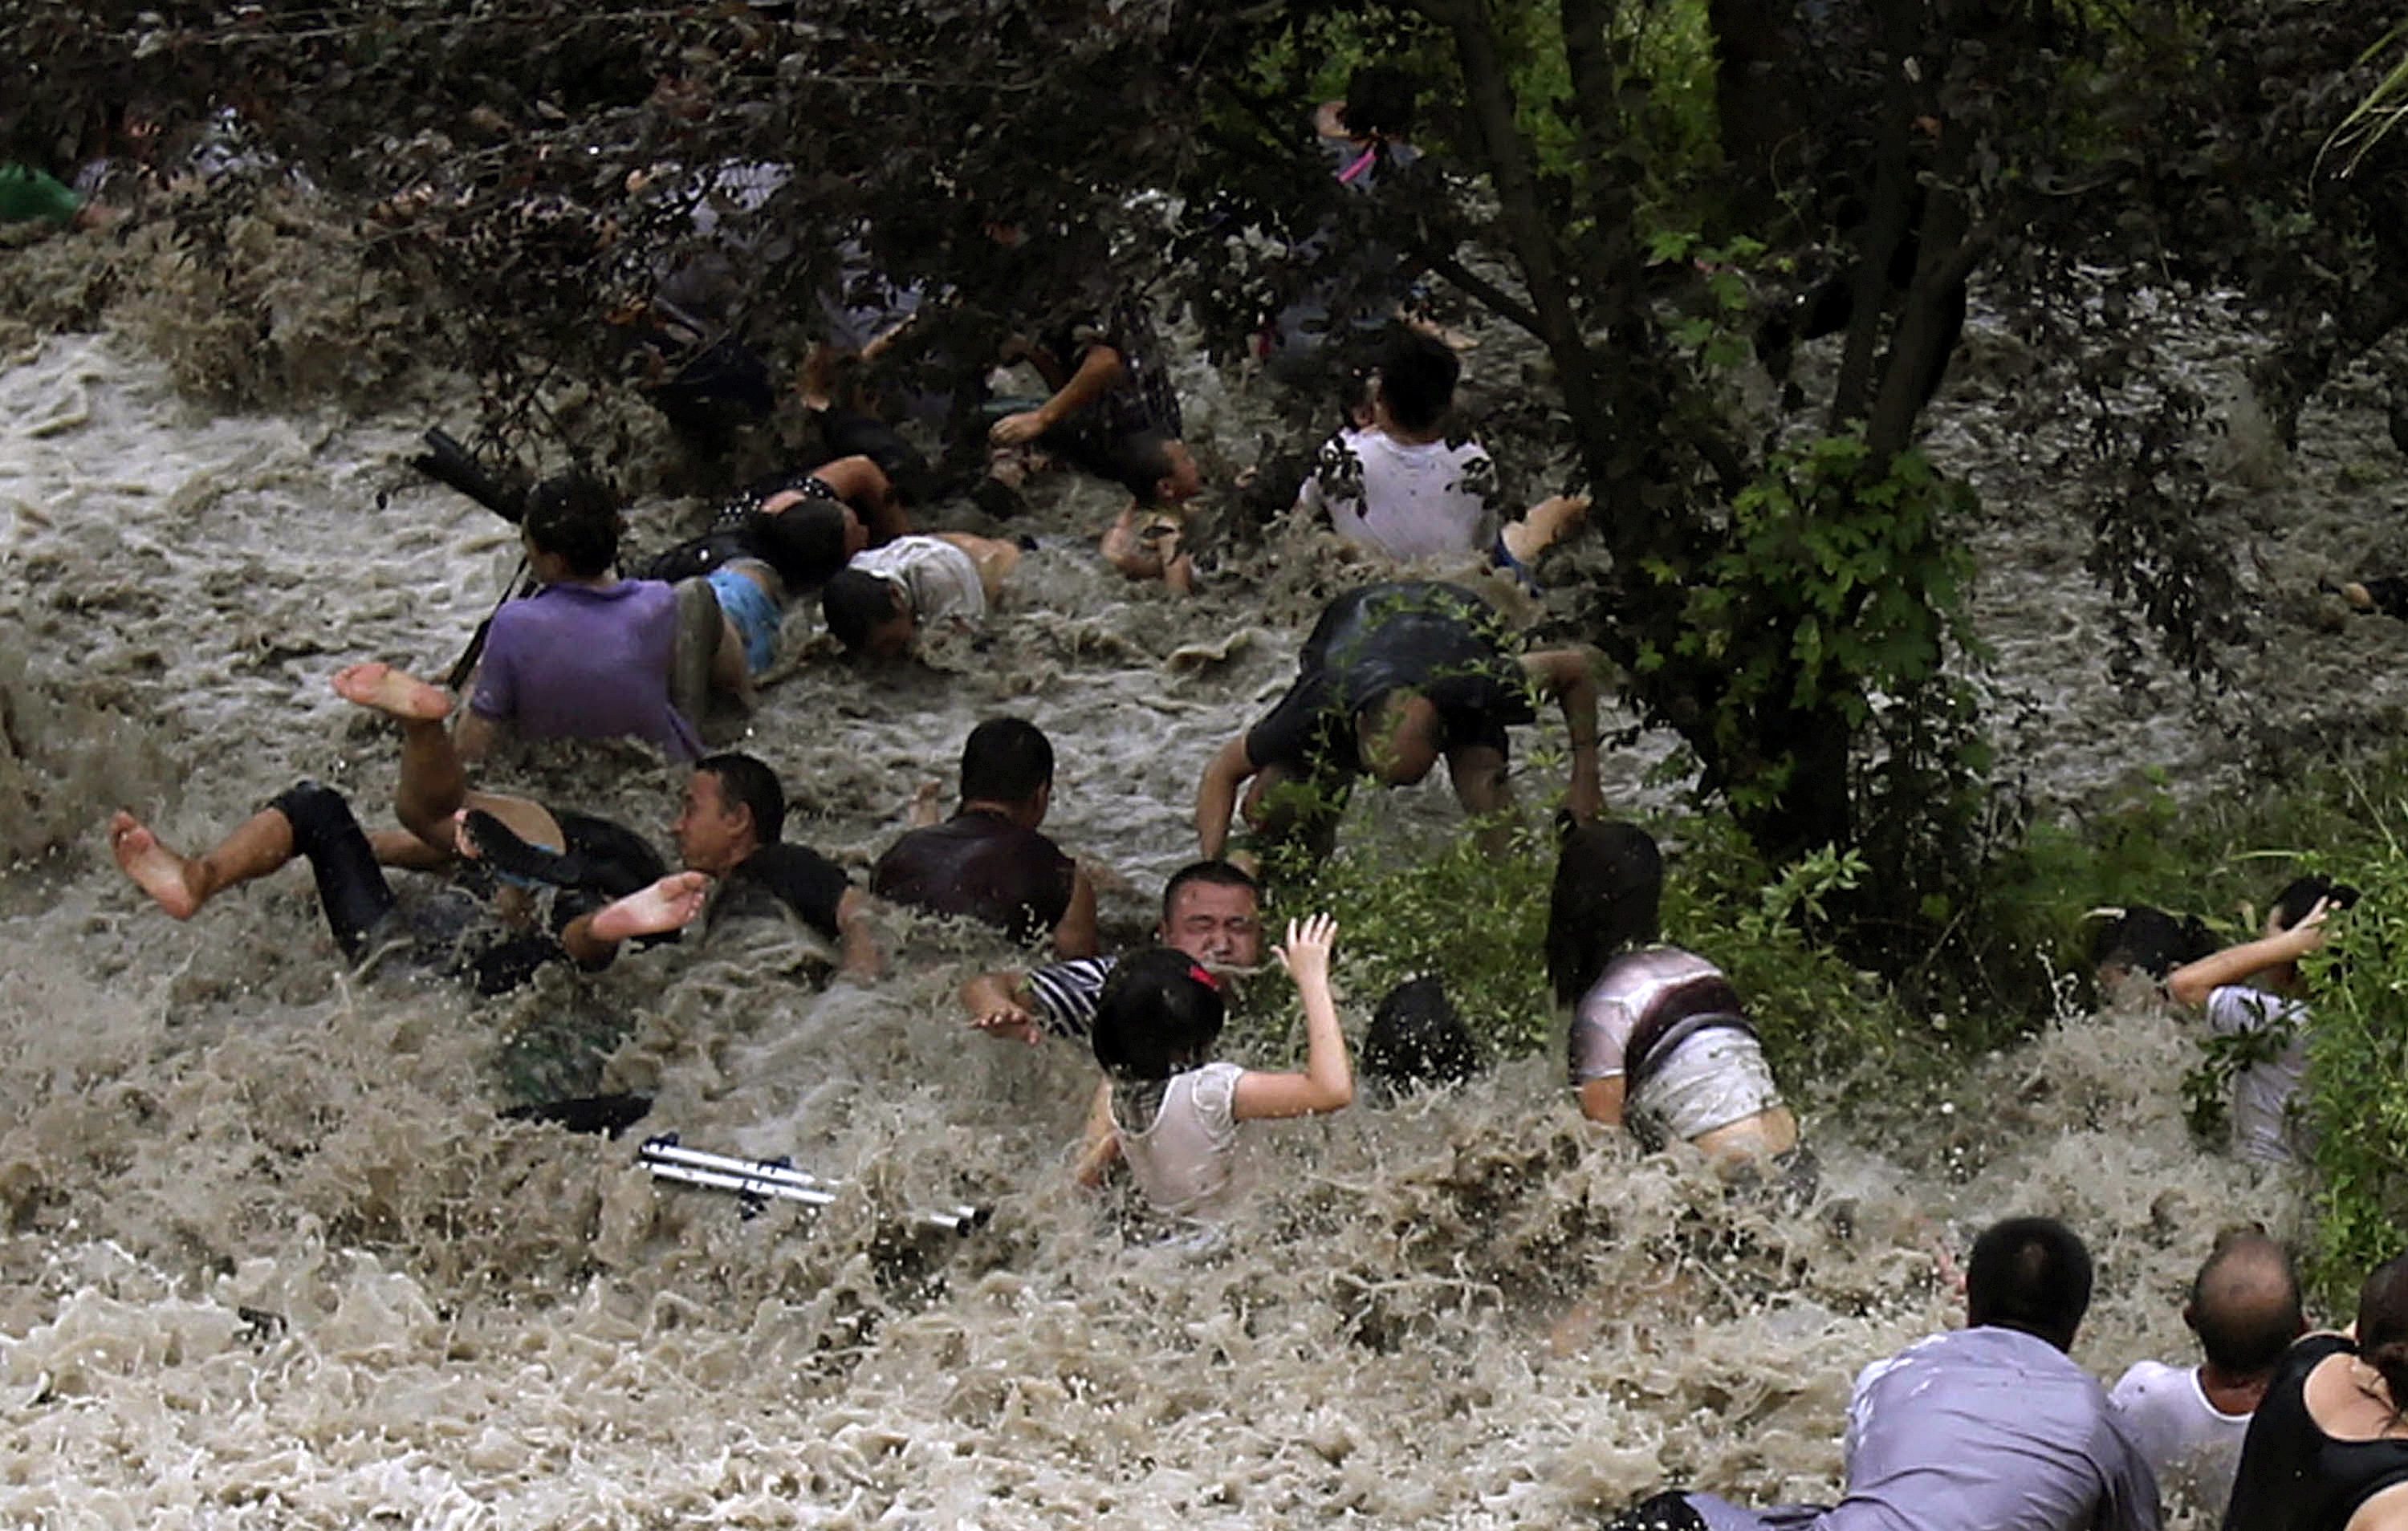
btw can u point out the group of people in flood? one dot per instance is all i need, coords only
(1992, 1425)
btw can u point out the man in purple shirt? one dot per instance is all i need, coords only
(588, 655)
(1991, 1428)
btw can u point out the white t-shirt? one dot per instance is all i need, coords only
(2262, 1128)
(941, 579)
(2192, 1445)
(1184, 1160)
(1437, 499)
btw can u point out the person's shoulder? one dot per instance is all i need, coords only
(2148, 1383)
(2238, 1006)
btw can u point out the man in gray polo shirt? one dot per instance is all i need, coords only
(1989, 1428)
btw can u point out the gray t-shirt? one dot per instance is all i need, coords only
(1977, 1430)
(2263, 1127)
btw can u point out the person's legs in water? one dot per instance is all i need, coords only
(308, 819)
(433, 786)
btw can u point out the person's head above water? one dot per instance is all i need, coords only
(571, 527)
(1159, 1014)
(1008, 764)
(2245, 1305)
(1416, 380)
(2031, 1274)
(733, 807)
(1397, 738)
(867, 614)
(1157, 469)
(806, 539)
(2300, 895)
(1213, 912)
(1608, 897)
(1417, 1041)
(2383, 1326)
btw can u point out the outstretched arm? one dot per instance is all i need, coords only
(1000, 1004)
(1099, 369)
(1600, 1100)
(2192, 982)
(1327, 1082)
(1216, 795)
(1569, 676)
(1102, 1145)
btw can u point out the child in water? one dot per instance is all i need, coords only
(1168, 1111)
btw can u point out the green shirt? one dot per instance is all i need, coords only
(26, 193)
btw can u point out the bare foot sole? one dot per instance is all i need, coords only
(393, 692)
(155, 869)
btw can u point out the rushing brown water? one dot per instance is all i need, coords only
(272, 1260)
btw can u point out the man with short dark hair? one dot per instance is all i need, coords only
(588, 655)
(989, 862)
(1409, 486)
(2190, 1421)
(2254, 988)
(1211, 911)
(1991, 1428)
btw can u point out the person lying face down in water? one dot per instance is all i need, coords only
(1658, 1038)
(1393, 679)
(1171, 1113)
(492, 944)
(887, 597)
(614, 884)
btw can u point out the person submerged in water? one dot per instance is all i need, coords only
(1168, 1111)
(988, 862)
(885, 599)
(1659, 1039)
(1393, 679)
(1211, 911)
(1992, 1427)
(1147, 540)
(493, 941)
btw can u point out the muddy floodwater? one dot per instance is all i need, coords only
(268, 1257)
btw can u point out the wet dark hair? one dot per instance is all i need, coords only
(1379, 99)
(1219, 874)
(2241, 1335)
(804, 542)
(855, 602)
(1141, 462)
(1157, 1016)
(2031, 1274)
(2292, 904)
(745, 782)
(1005, 760)
(575, 516)
(2149, 941)
(1608, 897)
(2383, 1327)
(1417, 377)
(1417, 1041)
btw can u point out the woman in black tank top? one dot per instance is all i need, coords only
(2327, 1449)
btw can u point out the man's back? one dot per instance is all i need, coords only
(1989, 1429)
(1433, 499)
(574, 662)
(980, 865)
(2191, 1445)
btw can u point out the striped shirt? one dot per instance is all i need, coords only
(1066, 991)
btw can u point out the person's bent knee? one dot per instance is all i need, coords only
(318, 814)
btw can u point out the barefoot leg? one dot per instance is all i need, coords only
(181, 885)
(396, 693)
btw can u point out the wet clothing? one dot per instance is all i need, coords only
(939, 579)
(979, 864)
(740, 531)
(1185, 1157)
(27, 193)
(1437, 640)
(780, 878)
(2263, 1128)
(580, 661)
(2191, 1445)
(1141, 401)
(745, 602)
(2293, 1477)
(1671, 1023)
(1407, 500)
(1067, 994)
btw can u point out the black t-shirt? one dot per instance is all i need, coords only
(977, 865)
(1143, 400)
(792, 876)
(1439, 640)
(2293, 1477)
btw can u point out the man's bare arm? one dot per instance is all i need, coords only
(1571, 676)
(1216, 795)
(1099, 370)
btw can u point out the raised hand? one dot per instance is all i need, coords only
(1305, 954)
